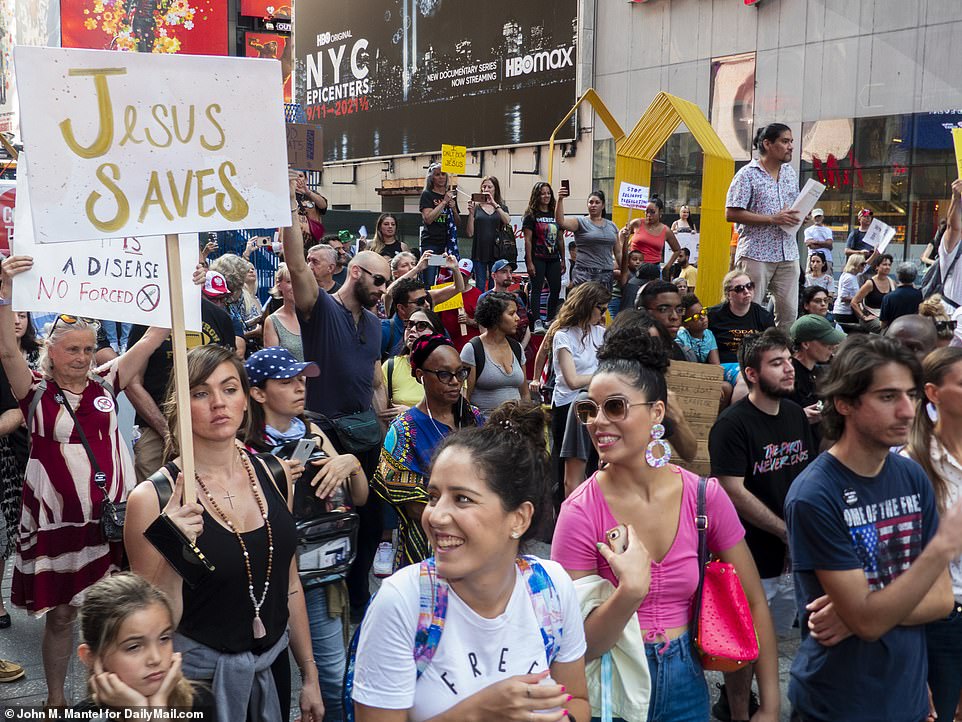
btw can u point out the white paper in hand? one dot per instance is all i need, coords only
(811, 192)
(879, 235)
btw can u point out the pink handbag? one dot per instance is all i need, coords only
(722, 628)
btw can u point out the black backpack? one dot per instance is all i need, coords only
(479, 354)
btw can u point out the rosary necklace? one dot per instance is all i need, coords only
(259, 631)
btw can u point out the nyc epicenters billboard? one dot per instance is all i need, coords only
(397, 77)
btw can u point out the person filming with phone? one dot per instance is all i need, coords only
(440, 215)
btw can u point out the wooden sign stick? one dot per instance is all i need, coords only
(178, 339)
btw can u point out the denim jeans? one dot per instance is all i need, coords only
(614, 306)
(679, 692)
(944, 641)
(327, 641)
(482, 271)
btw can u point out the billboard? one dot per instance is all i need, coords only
(192, 27)
(277, 9)
(276, 47)
(399, 77)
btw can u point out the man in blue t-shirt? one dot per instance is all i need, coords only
(870, 568)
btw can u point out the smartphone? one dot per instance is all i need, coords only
(479, 197)
(566, 185)
(263, 241)
(437, 259)
(617, 538)
(454, 188)
(302, 452)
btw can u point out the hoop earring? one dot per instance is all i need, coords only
(656, 462)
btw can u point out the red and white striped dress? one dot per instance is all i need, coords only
(60, 547)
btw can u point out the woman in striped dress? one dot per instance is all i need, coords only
(61, 550)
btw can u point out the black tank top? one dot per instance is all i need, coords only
(219, 612)
(873, 299)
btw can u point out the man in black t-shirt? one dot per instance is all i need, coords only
(816, 339)
(757, 448)
(147, 393)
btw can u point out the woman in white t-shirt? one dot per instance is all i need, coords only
(574, 339)
(487, 493)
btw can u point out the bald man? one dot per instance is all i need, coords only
(344, 339)
(916, 333)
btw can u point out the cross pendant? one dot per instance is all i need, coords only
(229, 496)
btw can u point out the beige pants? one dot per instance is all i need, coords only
(148, 453)
(781, 280)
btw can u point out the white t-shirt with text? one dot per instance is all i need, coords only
(474, 652)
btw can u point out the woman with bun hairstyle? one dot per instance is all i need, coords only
(650, 235)
(402, 473)
(505, 640)
(653, 502)
(596, 241)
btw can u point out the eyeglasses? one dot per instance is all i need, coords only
(945, 325)
(419, 301)
(664, 309)
(603, 307)
(615, 408)
(446, 377)
(696, 316)
(742, 287)
(421, 326)
(377, 278)
(71, 320)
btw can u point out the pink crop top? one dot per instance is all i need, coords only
(585, 517)
(650, 246)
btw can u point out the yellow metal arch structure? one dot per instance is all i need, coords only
(606, 117)
(635, 154)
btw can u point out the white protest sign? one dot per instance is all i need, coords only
(879, 235)
(685, 240)
(122, 279)
(632, 196)
(804, 203)
(140, 144)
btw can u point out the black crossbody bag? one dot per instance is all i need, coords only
(111, 515)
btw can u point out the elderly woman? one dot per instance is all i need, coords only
(402, 473)
(242, 305)
(440, 215)
(496, 359)
(78, 467)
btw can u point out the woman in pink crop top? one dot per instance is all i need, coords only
(655, 578)
(649, 236)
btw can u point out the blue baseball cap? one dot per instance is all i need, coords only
(277, 362)
(501, 264)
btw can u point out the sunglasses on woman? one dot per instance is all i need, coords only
(420, 326)
(942, 326)
(742, 287)
(446, 377)
(615, 408)
(72, 320)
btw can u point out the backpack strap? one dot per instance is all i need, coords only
(478, 349)
(433, 608)
(390, 380)
(546, 602)
(275, 470)
(162, 481)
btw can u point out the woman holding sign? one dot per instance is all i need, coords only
(227, 559)
(79, 469)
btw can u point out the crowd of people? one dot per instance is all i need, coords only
(359, 424)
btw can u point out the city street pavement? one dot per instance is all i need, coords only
(21, 644)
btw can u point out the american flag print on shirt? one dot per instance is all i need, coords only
(887, 537)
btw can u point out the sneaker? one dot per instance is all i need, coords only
(10, 672)
(383, 560)
(539, 327)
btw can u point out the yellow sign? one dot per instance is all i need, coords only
(957, 137)
(453, 158)
(451, 304)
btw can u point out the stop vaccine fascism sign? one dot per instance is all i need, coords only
(140, 144)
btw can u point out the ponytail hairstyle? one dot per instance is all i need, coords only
(600, 195)
(511, 456)
(934, 369)
(108, 603)
(771, 133)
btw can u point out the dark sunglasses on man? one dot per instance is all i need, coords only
(376, 278)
